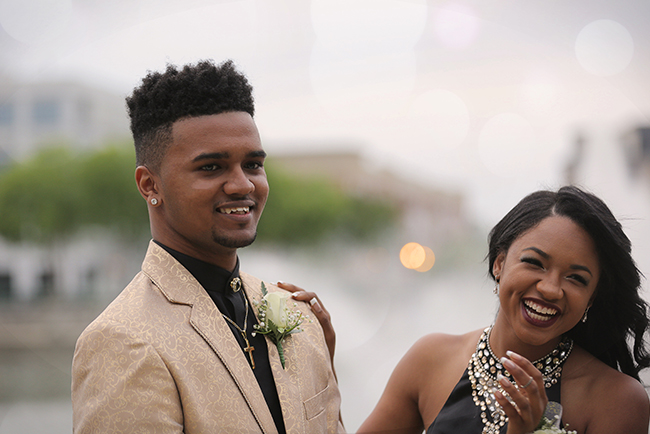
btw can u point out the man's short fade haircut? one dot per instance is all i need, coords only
(196, 90)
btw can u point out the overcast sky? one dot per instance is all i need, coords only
(483, 97)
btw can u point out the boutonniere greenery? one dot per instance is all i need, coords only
(276, 319)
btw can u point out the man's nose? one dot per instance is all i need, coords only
(238, 183)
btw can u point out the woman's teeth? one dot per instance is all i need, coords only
(538, 312)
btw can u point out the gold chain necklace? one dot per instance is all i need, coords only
(484, 366)
(235, 284)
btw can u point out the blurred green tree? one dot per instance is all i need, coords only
(109, 196)
(57, 192)
(40, 197)
(307, 210)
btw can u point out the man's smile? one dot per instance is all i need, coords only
(241, 210)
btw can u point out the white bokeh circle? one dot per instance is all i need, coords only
(35, 21)
(540, 91)
(365, 87)
(443, 116)
(507, 145)
(604, 48)
(368, 26)
(456, 26)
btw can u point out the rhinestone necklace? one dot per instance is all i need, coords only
(484, 367)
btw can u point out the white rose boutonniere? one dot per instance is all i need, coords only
(276, 319)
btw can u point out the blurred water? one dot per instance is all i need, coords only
(47, 417)
(379, 310)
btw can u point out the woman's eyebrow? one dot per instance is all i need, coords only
(546, 256)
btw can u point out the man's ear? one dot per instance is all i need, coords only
(146, 182)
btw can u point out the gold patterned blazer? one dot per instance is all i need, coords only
(161, 359)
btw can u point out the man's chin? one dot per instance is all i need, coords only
(232, 242)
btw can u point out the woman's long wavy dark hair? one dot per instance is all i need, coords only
(618, 313)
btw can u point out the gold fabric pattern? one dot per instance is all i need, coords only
(161, 359)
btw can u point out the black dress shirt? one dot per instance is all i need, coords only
(216, 281)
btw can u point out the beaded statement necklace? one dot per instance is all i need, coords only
(484, 367)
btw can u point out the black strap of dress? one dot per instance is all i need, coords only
(461, 415)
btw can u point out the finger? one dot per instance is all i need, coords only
(530, 401)
(302, 295)
(310, 298)
(516, 406)
(321, 314)
(517, 423)
(521, 375)
(526, 370)
(289, 286)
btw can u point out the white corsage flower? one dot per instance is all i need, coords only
(550, 423)
(276, 319)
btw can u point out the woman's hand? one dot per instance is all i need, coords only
(319, 311)
(529, 397)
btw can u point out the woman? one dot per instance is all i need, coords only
(569, 300)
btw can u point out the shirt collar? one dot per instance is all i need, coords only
(211, 277)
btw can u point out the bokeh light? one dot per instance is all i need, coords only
(367, 26)
(363, 61)
(429, 260)
(604, 48)
(456, 26)
(412, 255)
(415, 256)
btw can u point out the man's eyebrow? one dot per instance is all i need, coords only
(225, 155)
(211, 156)
(257, 154)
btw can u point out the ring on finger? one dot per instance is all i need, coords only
(530, 380)
(313, 301)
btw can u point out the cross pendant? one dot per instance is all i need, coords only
(249, 349)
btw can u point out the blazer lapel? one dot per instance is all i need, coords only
(286, 379)
(180, 287)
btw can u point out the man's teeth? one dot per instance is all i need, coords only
(240, 210)
(538, 312)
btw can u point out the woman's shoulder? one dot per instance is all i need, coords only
(595, 375)
(604, 395)
(435, 348)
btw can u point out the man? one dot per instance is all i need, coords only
(176, 350)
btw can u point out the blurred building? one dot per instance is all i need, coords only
(426, 215)
(33, 115)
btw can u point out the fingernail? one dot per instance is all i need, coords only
(316, 307)
(279, 281)
(507, 362)
(512, 354)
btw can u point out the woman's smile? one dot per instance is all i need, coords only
(539, 314)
